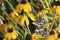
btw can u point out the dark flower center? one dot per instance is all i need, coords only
(23, 2)
(52, 32)
(10, 30)
(54, 26)
(55, 3)
(58, 35)
(5, 21)
(22, 12)
(1, 38)
(29, 0)
(28, 37)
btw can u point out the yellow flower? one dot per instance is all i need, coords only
(53, 8)
(58, 39)
(52, 37)
(58, 36)
(57, 18)
(3, 26)
(54, 30)
(16, 20)
(56, 9)
(39, 13)
(11, 34)
(36, 36)
(6, 26)
(23, 20)
(26, 7)
(44, 11)
(31, 16)
(57, 29)
(13, 14)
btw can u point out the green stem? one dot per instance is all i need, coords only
(9, 4)
(53, 22)
(42, 3)
(17, 28)
(6, 14)
(29, 30)
(47, 3)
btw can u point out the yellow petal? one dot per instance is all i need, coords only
(26, 19)
(27, 7)
(58, 10)
(22, 20)
(13, 36)
(39, 14)
(50, 37)
(31, 16)
(58, 38)
(19, 7)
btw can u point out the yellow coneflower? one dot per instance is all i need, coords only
(57, 29)
(2, 27)
(24, 18)
(52, 36)
(54, 30)
(10, 25)
(6, 26)
(13, 14)
(11, 34)
(58, 36)
(58, 39)
(44, 11)
(36, 36)
(23, 6)
(56, 7)
(31, 16)
(39, 13)
(57, 18)
(58, 10)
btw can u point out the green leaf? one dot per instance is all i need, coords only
(1, 12)
(41, 39)
(13, 2)
(7, 6)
